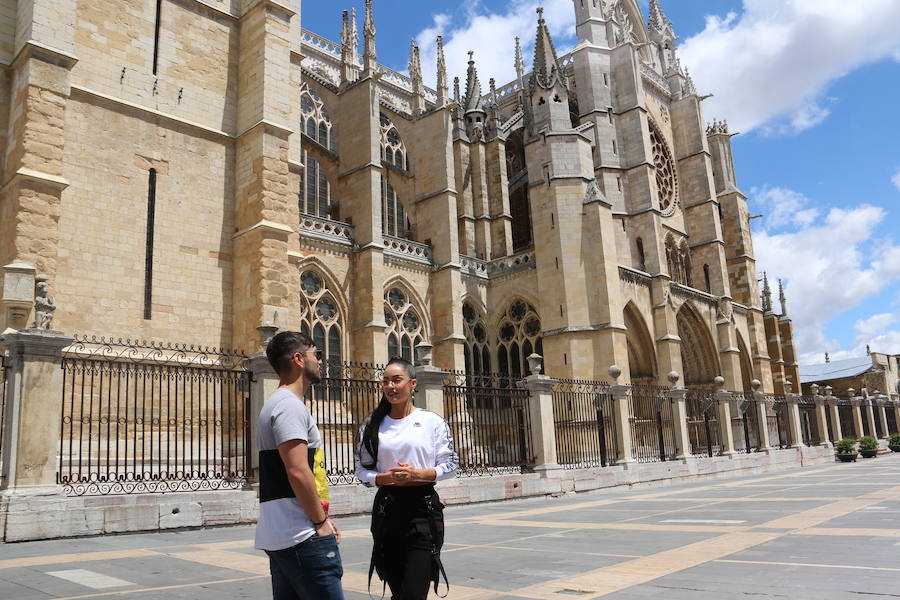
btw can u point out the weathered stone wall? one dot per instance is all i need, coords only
(100, 287)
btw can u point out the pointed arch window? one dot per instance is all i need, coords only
(393, 216)
(321, 320)
(518, 336)
(405, 329)
(393, 151)
(315, 191)
(476, 350)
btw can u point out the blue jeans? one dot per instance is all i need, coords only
(311, 570)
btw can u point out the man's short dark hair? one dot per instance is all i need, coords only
(283, 346)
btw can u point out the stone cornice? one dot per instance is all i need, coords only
(267, 226)
(34, 49)
(31, 175)
(270, 126)
(151, 111)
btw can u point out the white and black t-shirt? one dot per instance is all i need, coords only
(282, 521)
(421, 439)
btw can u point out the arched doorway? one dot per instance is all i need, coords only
(746, 364)
(641, 355)
(698, 352)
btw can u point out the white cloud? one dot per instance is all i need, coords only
(491, 36)
(830, 265)
(896, 179)
(771, 64)
(874, 326)
(783, 206)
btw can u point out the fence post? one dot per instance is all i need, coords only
(882, 416)
(821, 419)
(832, 403)
(679, 416)
(430, 381)
(762, 416)
(792, 403)
(895, 406)
(34, 389)
(622, 412)
(726, 434)
(540, 409)
(857, 413)
(263, 384)
(870, 415)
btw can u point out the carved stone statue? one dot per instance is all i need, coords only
(43, 307)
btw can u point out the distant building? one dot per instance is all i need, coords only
(875, 372)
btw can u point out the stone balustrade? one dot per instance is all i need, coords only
(474, 266)
(408, 250)
(326, 230)
(511, 264)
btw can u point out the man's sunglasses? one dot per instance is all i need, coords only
(318, 353)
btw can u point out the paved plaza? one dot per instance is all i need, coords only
(822, 532)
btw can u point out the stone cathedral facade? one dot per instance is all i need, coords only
(188, 170)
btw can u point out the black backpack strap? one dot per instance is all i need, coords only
(435, 551)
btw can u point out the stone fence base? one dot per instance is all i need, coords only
(44, 513)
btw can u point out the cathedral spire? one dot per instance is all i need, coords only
(545, 67)
(781, 298)
(354, 37)
(348, 49)
(441, 73)
(520, 62)
(472, 100)
(659, 21)
(766, 294)
(415, 74)
(456, 89)
(369, 58)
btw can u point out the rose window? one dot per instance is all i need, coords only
(666, 179)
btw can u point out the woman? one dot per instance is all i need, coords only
(404, 450)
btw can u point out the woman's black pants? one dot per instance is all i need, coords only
(407, 532)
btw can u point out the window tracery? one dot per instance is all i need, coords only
(518, 336)
(315, 191)
(320, 317)
(666, 178)
(477, 350)
(405, 329)
(393, 151)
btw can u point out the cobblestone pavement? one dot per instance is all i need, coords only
(829, 531)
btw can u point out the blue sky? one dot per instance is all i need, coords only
(812, 86)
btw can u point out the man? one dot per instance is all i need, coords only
(293, 527)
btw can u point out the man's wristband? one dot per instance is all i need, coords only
(320, 523)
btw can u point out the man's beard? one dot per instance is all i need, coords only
(313, 373)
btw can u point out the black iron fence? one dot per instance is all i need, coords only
(489, 419)
(652, 425)
(845, 412)
(744, 423)
(584, 423)
(702, 422)
(809, 423)
(777, 421)
(340, 403)
(147, 417)
(891, 418)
